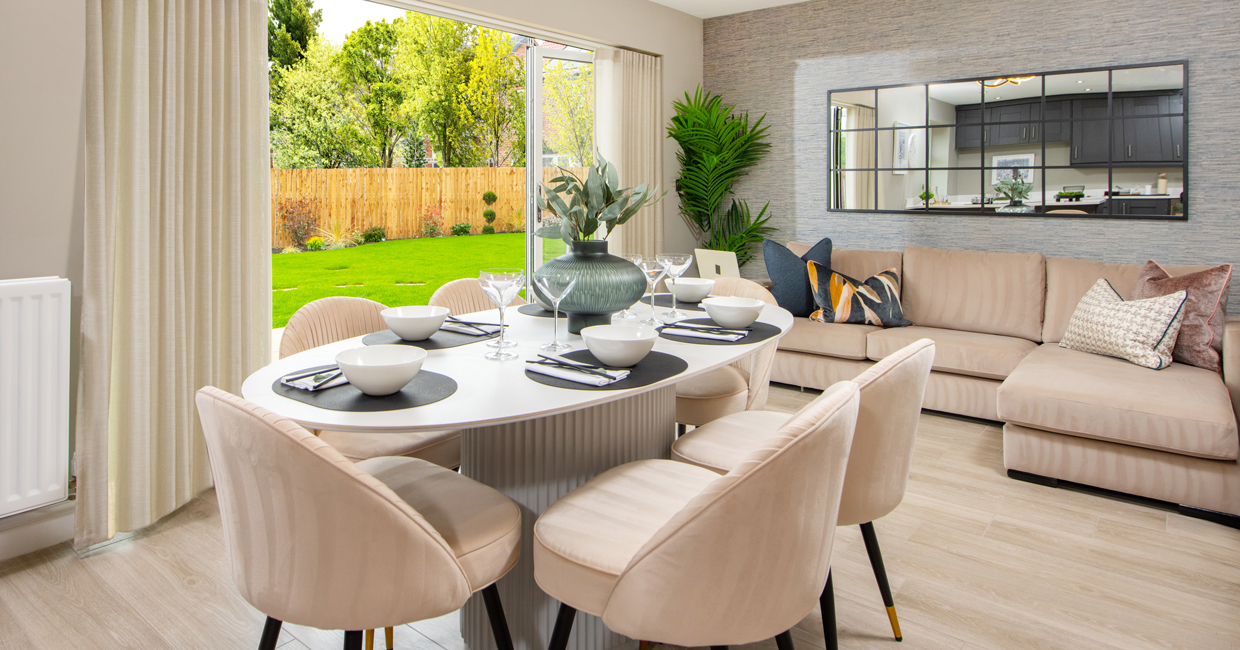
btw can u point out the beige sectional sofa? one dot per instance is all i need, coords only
(996, 320)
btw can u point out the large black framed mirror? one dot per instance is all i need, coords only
(1091, 143)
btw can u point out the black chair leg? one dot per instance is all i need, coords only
(495, 611)
(563, 627)
(353, 640)
(783, 640)
(682, 429)
(719, 647)
(880, 574)
(826, 602)
(271, 634)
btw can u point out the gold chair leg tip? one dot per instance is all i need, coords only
(895, 623)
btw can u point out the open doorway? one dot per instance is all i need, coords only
(401, 148)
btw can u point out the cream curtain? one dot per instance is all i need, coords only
(629, 132)
(860, 191)
(177, 267)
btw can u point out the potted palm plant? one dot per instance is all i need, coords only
(584, 209)
(717, 149)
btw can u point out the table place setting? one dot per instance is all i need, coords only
(430, 328)
(732, 321)
(617, 357)
(712, 332)
(577, 371)
(373, 378)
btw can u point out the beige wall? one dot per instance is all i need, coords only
(635, 24)
(43, 47)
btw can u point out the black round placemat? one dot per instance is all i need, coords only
(760, 332)
(426, 388)
(657, 366)
(536, 310)
(440, 340)
(665, 300)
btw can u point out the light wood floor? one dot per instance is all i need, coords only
(976, 560)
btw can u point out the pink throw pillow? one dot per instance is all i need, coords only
(1201, 335)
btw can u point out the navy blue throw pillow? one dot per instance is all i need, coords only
(790, 276)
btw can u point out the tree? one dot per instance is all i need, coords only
(290, 26)
(414, 152)
(367, 68)
(313, 123)
(497, 97)
(569, 91)
(434, 57)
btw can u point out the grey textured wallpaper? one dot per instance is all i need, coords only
(782, 61)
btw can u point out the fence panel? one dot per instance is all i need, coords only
(401, 199)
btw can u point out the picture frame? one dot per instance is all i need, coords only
(1007, 166)
(904, 140)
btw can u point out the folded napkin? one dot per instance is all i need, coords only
(573, 375)
(701, 334)
(307, 383)
(449, 326)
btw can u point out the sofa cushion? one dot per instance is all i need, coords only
(990, 293)
(1068, 279)
(1200, 342)
(1182, 409)
(789, 276)
(1140, 331)
(841, 299)
(962, 353)
(830, 339)
(858, 263)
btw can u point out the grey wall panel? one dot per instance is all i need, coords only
(782, 61)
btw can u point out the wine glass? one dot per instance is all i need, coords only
(555, 285)
(654, 271)
(627, 313)
(676, 265)
(502, 287)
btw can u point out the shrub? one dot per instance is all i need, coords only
(489, 215)
(358, 238)
(337, 234)
(488, 229)
(432, 221)
(290, 249)
(489, 198)
(297, 219)
(461, 228)
(314, 244)
(374, 234)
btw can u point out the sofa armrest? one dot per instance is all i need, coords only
(1231, 361)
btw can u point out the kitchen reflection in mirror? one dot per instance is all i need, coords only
(1097, 143)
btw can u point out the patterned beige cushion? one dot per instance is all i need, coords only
(1140, 331)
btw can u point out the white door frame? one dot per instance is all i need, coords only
(534, 60)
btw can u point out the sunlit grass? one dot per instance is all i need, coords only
(403, 272)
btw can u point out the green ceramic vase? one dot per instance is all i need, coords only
(605, 285)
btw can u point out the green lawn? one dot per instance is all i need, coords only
(403, 272)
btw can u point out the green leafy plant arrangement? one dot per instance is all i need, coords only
(1014, 189)
(591, 203)
(489, 198)
(461, 228)
(489, 215)
(314, 244)
(488, 229)
(717, 149)
(926, 196)
(374, 234)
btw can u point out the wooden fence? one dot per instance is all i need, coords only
(402, 199)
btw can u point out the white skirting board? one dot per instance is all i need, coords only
(36, 530)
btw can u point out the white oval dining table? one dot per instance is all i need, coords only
(531, 441)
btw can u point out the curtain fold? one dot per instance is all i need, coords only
(861, 154)
(177, 267)
(629, 133)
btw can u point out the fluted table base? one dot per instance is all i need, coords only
(536, 462)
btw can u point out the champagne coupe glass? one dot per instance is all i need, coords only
(676, 265)
(501, 286)
(654, 272)
(555, 285)
(628, 313)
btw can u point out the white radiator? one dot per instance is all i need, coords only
(34, 393)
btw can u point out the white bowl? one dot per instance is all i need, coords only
(416, 323)
(733, 312)
(692, 289)
(381, 369)
(620, 345)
